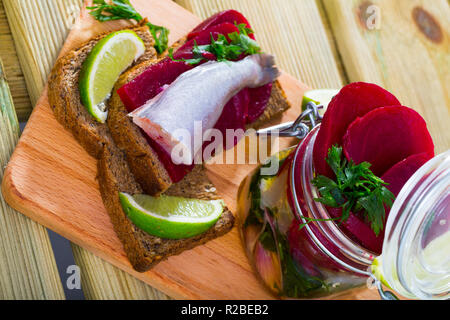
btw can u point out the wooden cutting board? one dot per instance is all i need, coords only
(51, 179)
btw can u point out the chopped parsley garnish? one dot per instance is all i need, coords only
(355, 189)
(161, 36)
(122, 9)
(223, 49)
(115, 10)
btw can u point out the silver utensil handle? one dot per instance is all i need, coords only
(299, 128)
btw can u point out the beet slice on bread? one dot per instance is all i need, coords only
(354, 100)
(231, 16)
(386, 136)
(150, 82)
(204, 38)
(243, 109)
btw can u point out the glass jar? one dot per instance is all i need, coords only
(297, 258)
(416, 251)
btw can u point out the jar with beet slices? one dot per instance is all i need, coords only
(293, 258)
(299, 252)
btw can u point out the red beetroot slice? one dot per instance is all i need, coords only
(259, 97)
(230, 16)
(400, 173)
(354, 100)
(358, 231)
(148, 84)
(386, 136)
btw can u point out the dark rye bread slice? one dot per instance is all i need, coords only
(144, 250)
(142, 159)
(114, 175)
(64, 96)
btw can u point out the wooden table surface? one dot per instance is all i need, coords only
(402, 45)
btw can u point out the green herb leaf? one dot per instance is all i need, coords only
(161, 36)
(122, 9)
(225, 50)
(114, 10)
(198, 57)
(356, 189)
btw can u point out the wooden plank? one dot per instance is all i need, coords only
(408, 54)
(27, 265)
(13, 70)
(40, 28)
(48, 161)
(101, 280)
(292, 29)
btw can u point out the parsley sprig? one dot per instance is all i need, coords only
(356, 189)
(224, 50)
(161, 36)
(115, 10)
(122, 9)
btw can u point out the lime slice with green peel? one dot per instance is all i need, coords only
(171, 217)
(108, 59)
(320, 96)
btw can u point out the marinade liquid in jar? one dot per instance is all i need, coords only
(299, 253)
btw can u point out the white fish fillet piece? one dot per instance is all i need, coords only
(198, 96)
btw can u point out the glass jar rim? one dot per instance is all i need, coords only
(355, 253)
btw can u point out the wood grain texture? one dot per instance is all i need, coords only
(39, 29)
(408, 53)
(102, 281)
(47, 23)
(293, 30)
(13, 71)
(49, 162)
(27, 265)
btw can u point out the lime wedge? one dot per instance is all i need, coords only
(171, 217)
(320, 96)
(108, 59)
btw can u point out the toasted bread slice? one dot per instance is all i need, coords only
(144, 250)
(142, 159)
(64, 95)
(114, 174)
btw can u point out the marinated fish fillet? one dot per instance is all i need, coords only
(193, 103)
